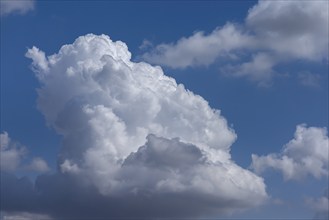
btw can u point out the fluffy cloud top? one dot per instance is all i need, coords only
(136, 135)
(13, 154)
(274, 30)
(306, 154)
(16, 6)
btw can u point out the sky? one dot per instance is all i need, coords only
(164, 109)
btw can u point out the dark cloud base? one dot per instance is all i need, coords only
(64, 197)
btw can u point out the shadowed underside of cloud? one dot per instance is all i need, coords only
(154, 182)
(135, 143)
(274, 32)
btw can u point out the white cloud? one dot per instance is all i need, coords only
(279, 30)
(200, 49)
(106, 107)
(13, 154)
(16, 6)
(306, 154)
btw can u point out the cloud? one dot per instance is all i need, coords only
(309, 79)
(200, 49)
(259, 69)
(320, 205)
(279, 30)
(306, 154)
(13, 156)
(39, 165)
(292, 29)
(16, 6)
(24, 216)
(135, 143)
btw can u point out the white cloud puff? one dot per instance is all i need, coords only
(279, 31)
(120, 123)
(16, 6)
(306, 154)
(13, 154)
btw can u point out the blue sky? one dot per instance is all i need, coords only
(264, 65)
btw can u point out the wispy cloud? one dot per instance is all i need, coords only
(320, 205)
(16, 6)
(309, 79)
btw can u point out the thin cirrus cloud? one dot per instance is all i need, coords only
(13, 156)
(305, 155)
(173, 160)
(281, 31)
(16, 6)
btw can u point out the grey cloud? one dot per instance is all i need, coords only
(149, 188)
(259, 69)
(160, 152)
(14, 156)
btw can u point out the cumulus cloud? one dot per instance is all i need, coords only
(16, 6)
(135, 143)
(306, 154)
(279, 30)
(13, 154)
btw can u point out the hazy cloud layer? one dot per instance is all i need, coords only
(13, 156)
(320, 205)
(16, 6)
(274, 32)
(23, 216)
(135, 143)
(306, 154)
